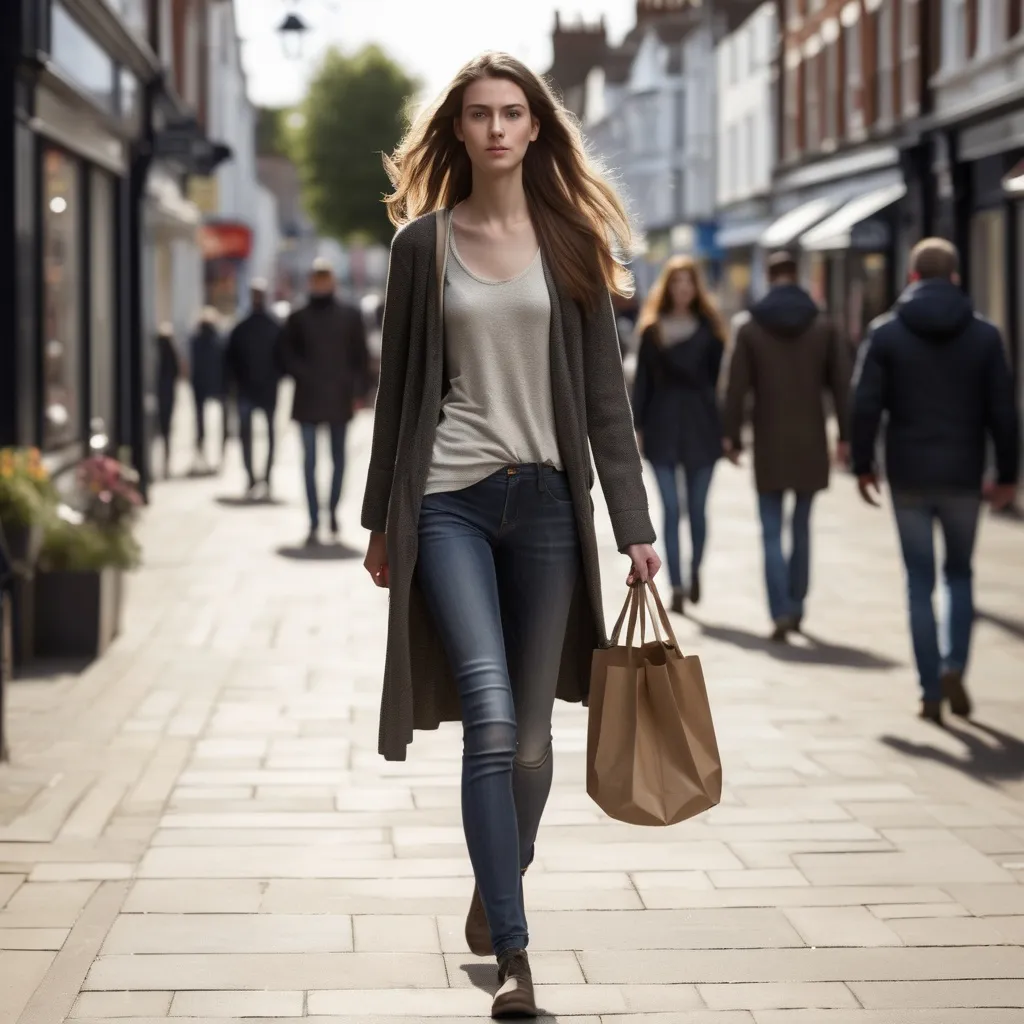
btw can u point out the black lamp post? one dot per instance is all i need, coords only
(292, 31)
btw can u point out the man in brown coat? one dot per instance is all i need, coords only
(787, 354)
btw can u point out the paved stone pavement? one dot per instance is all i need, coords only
(199, 825)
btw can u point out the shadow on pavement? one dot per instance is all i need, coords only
(51, 670)
(806, 650)
(484, 976)
(229, 501)
(1012, 626)
(989, 754)
(319, 553)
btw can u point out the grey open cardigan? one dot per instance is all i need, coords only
(590, 404)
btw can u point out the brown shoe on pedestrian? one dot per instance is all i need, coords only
(478, 932)
(955, 692)
(514, 997)
(678, 600)
(931, 710)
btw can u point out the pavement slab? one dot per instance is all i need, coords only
(198, 826)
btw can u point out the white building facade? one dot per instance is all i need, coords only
(745, 134)
(241, 230)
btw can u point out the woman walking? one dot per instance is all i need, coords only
(675, 406)
(500, 365)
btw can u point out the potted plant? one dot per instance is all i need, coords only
(27, 499)
(85, 552)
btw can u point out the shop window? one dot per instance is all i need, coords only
(82, 59)
(102, 329)
(62, 300)
(135, 14)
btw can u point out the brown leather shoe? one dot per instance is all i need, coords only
(514, 997)
(931, 711)
(955, 692)
(478, 932)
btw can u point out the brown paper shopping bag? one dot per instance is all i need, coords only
(652, 756)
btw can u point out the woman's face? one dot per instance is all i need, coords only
(495, 126)
(682, 290)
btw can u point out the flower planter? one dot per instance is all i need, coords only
(77, 614)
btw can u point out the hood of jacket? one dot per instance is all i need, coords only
(786, 311)
(936, 310)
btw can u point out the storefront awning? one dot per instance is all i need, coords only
(1014, 181)
(837, 231)
(790, 226)
(739, 236)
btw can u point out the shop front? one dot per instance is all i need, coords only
(742, 276)
(76, 116)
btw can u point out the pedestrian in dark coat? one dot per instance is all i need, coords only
(787, 354)
(253, 367)
(169, 371)
(939, 371)
(675, 407)
(323, 347)
(206, 368)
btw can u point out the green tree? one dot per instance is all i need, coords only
(355, 110)
(271, 131)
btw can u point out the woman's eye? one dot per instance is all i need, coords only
(515, 114)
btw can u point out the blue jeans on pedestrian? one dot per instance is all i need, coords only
(698, 483)
(246, 408)
(957, 516)
(787, 578)
(498, 564)
(309, 437)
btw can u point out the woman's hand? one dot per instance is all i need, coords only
(646, 563)
(376, 562)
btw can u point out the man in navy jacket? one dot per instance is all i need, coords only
(940, 373)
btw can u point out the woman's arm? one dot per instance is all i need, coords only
(611, 430)
(716, 353)
(388, 409)
(643, 383)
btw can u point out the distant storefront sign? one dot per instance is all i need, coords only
(225, 241)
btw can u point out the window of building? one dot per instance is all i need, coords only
(832, 94)
(852, 36)
(102, 271)
(812, 104)
(82, 59)
(62, 300)
(791, 133)
(954, 33)
(884, 63)
(910, 56)
(1015, 19)
(993, 27)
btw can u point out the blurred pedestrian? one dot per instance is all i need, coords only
(206, 366)
(939, 371)
(500, 368)
(675, 407)
(323, 347)
(253, 369)
(169, 370)
(786, 354)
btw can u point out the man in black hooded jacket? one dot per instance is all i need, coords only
(939, 371)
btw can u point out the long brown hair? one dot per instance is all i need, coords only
(659, 300)
(581, 223)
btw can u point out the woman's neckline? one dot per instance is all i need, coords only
(454, 249)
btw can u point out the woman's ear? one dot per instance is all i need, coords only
(457, 125)
(535, 130)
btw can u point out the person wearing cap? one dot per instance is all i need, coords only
(786, 354)
(206, 364)
(323, 348)
(253, 371)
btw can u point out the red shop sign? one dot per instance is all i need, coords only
(225, 241)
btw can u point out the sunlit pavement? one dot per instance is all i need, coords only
(200, 826)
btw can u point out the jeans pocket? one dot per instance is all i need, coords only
(557, 486)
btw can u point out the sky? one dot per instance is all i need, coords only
(430, 38)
